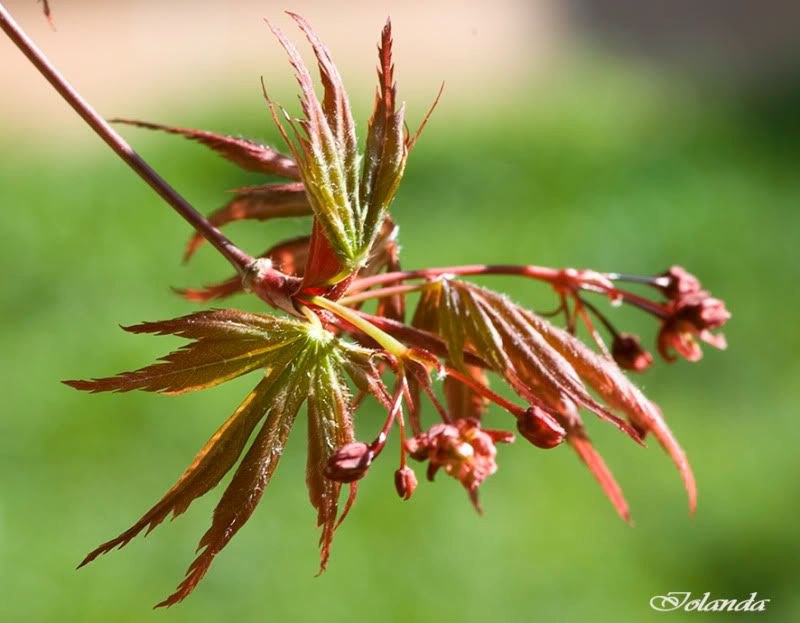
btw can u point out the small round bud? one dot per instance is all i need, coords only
(349, 463)
(405, 481)
(629, 354)
(540, 428)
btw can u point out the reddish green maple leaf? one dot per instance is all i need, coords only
(300, 361)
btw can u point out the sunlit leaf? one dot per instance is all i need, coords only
(324, 267)
(385, 152)
(329, 427)
(252, 476)
(578, 439)
(537, 363)
(494, 327)
(247, 154)
(619, 392)
(327, 153)
(349, 202)
(302, 361)
(215, 459)
(227, 344)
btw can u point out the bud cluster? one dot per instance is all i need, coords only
(463, 449)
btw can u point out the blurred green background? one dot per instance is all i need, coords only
(611, 163)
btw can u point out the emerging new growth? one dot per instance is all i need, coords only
(326, 351)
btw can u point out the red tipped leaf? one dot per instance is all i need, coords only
(247, 154)
(259, 204)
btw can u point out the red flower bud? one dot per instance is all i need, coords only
(540, 428)
(462, 449)
(629, 354)
(349, 463)
(405, 481)
(692, 315)
(703, 311)
(681, 282)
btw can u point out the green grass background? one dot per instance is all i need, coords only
(607, 167)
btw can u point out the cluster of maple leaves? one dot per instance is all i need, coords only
(328, 353)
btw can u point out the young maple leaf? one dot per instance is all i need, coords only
(301, 361)
(248, 154)
(514, 343)
(260, 203)
(349, 205)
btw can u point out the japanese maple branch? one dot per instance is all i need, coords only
(238, 258)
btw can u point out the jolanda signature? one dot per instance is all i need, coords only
(678, 600)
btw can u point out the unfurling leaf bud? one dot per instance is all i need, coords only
(405, 481)
(349, 463)
(540, 428)
(629, 354)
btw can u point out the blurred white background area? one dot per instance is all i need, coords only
(138, 58)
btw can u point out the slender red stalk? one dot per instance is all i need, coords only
(610, 327)
(534, 272)
(657, 310)
(380, 293)
(485, 392)
(580, 309)
(397, 408)
(238, 258)
(401, 423)
(425, 383)
(568, 315)
(554, 276)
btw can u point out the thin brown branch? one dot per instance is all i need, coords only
(238, 258)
